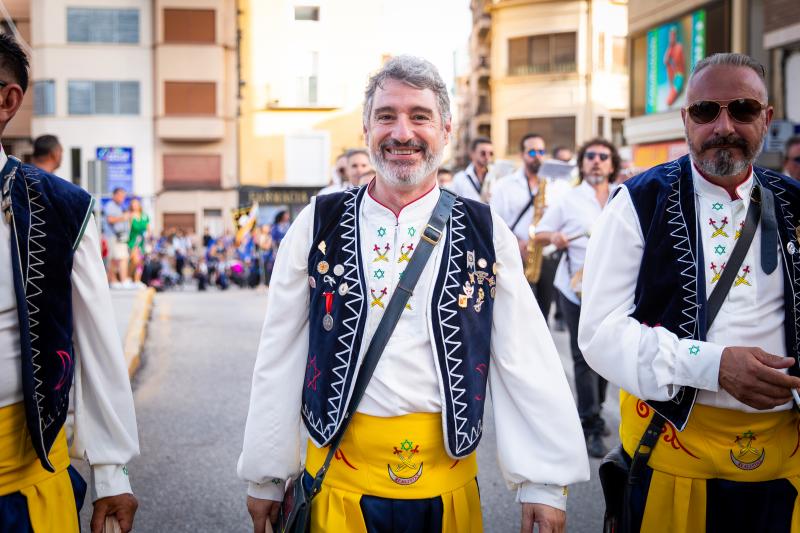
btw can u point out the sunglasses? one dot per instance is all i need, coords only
(742, 110)
(534, 153)
(484, 153)
(796, 160)
(591, 155)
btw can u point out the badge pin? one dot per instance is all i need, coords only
(322, 267)
(494, 268)
(462, 301)
(322, 247)
(327, 320)
(468, 289)
(343, 289)
(482, 263)
(312, 282)
(470, 259)
(492, 292)
(338, 270)
(791, 248)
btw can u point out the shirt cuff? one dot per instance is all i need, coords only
(697, 364)
(271, 489)
(110, 480)
(552, 495)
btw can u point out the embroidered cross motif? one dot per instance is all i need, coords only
(381, 232)
(739, 231)
(378, 274)
(717, 271)
(716, 206)
(718, 231)
(405, 255)
(381, 256)
(694, 349)
(719, 249)
(378, 300)
(742, 280)
(312, 374)
(412, 231)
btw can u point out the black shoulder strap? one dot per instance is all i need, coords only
(715, 301)
(531, 196)
(405, 287)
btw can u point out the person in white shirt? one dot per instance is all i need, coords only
(471, 182)
(568, 225)
(513, 199)
(726, 457)
(56, 329)
(471, 323)
(339, 178)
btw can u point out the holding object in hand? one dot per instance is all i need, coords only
(753, 377)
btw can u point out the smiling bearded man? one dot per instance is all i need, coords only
(406, 458)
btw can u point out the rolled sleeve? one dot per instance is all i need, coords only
(552, 495)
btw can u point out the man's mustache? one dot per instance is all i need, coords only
(412, 143)
(727, 141)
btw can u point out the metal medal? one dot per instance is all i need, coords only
(338, 270)
(343, 289)
(312, 282)
(791, 248)
(322, 267)
(327, 322)
(482, 263)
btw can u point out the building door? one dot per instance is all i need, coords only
(307, 157)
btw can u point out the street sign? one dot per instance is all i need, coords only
(119, 167)
(779, 132)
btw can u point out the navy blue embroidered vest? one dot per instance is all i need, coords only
(670, 290)
(49, 216)
(461, 333)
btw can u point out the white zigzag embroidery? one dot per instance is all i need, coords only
(689, 267)
(449, 328)
(794, 259)
(347, 340)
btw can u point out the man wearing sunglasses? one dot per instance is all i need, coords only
(691, 306)
(471, 182)
(791, 164)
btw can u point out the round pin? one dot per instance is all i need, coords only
(791, 248)
(338, 270)
(322, 267)
(312, 282)
(343, 289)
(482, 263)
(494, 268)
(327, 322)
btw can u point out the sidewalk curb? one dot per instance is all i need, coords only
(137, 330)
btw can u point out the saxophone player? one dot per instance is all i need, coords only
(521, 199)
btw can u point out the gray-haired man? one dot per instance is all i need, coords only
(407, 460)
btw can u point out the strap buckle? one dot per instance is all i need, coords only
(432, 239)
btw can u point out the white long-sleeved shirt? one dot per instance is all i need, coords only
(540, 444)
(467, 184)
(651, 362)
(105, 423)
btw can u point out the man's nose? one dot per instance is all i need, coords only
(724, 125)
(402, 130)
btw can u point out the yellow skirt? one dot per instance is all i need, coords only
(50, 498)
(716, 444)
(400, 458)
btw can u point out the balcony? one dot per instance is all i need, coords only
(483, 25)
(177, 128)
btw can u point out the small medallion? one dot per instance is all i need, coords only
(327, 322)
(494, 268)
(322, 267)
(482, 263)
(312, 282)
(343, 289)
(462, 301)
(492, 292)
(468, 289)
(338, 270)
(322, 247)
(471, 259)
(791, 248)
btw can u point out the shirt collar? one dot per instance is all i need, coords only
(706, 189)
(416, 210)
(3, 158)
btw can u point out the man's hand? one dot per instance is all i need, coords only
(523, 249)
(749, 375)
(559, 240)
(121, 506)
(263, 512)
(550, 519)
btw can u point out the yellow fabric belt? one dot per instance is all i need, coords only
(399, 457)
(718, 443)
(51, 500)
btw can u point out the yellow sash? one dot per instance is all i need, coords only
(399, 458)
(716, 444)
(51, 501)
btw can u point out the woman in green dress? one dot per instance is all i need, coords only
(140, 223)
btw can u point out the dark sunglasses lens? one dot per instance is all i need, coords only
(704, 112)
(591, 155)
(744, 110)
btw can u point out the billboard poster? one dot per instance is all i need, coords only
(119, 164)
(672, 50)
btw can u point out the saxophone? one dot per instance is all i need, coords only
(533, 260)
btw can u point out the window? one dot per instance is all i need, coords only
(601, 126)
(306, 12)
(103, 97)
(44, 97)
(192, 171)
(559, 131)
(184, 221)
(618, 132)
(198, 98)
(75, 160)
(307, 79)
(190, 26)
(85, 25)
(539, 54)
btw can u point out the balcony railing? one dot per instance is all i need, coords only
(556, 68)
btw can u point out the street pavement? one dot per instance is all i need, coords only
(191, 397)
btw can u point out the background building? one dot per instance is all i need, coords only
(554, 67)
(196, 85)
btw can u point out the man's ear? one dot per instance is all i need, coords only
(10, 101)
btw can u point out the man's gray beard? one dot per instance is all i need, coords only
(594, 179)
(722, 164)
(404, 173)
